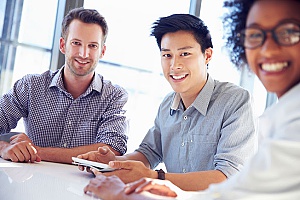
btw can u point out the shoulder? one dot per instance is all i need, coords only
(230, 90)
(108, 87)
(36, 79)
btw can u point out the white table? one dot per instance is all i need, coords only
(42, 181)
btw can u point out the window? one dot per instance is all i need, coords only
(26, 40)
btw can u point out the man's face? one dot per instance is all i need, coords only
(83, 48)
(183, 63)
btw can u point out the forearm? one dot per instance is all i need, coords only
(64, 155)
(194, 181)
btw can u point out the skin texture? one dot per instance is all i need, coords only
(266, 15)
(82, 50)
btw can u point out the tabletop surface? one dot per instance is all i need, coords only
(43, 181)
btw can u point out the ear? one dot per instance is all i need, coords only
(208, 55)
(103, 51)
(62, 45)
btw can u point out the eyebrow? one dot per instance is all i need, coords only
(287, 20)
(181, 48)
(75, 39)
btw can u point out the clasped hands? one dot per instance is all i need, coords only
(20, 149)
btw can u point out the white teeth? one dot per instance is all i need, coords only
(82, 62)
(178, 77)
(273, 67)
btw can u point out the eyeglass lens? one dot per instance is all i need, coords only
(285, 35)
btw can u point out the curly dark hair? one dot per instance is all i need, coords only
(234, 22)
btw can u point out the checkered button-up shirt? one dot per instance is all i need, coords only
(53, 118)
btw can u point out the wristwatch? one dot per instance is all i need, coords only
(161, 174)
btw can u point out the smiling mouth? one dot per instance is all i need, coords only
(178, 77)
(82, 62)
(274, 67)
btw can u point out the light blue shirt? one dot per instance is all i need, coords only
(216, 132)
(53, 118)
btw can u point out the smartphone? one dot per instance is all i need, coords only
(101, 167)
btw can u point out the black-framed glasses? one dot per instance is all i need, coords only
(284, 34)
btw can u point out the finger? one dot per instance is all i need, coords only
(121, 164)
(81, 168)
(162, 190)
(11, 156)
(146, 186)
(15, 136)
(85, 156)
(95, 171)
(22, 153)
(89, 188)
(32, 151)
(131, 187)
(38, 158)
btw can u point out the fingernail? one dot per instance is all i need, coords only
(111, 163)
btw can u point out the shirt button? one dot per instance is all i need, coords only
(183, 170)
(65, 144)
(185, 117)
(182, 144)
(70, 122)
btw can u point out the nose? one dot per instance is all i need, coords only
(84, 52)
(175, 64)
(270, 45)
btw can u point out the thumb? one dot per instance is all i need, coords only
(103, 150)
(121, 164)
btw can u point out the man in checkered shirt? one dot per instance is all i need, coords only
(72, 110)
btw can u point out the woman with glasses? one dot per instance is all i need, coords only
(264, 35)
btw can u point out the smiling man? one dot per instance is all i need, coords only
(204, 130)
(72, 110)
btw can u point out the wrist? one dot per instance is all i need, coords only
(160, 174)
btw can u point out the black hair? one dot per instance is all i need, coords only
(185, 22)
(234, 22)
(90, 16)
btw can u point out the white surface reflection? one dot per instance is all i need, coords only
(44, 180)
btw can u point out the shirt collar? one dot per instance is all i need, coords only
(201, 102)
(96, 83)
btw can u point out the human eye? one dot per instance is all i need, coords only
(288, 33)
(185, 54)
(254, 34)
(93, 46)
(166, 55)
(75, 43)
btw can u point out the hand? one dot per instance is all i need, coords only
(22, 151)
(106, 187)
(154, 186)
(103, 155)
(129, 171)
(19, 138)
